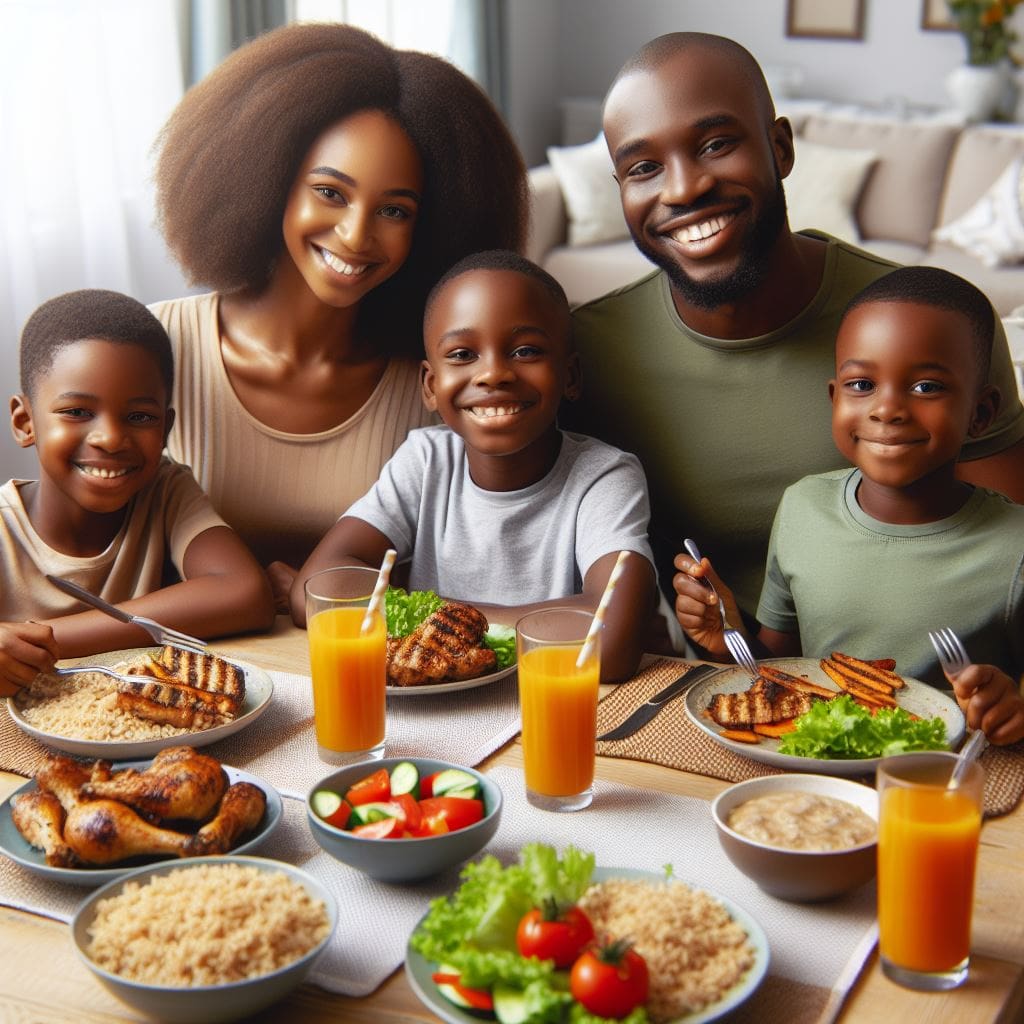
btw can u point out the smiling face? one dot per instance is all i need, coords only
(905, 397)
(98, 418)
(498, 366)
(349, 219)
(700, 161)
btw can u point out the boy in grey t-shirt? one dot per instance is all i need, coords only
(868, 560)
(499, 507)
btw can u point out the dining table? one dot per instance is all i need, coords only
(42, 979)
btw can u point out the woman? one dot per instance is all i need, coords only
(321, 182)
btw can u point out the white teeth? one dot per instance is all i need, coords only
(104, 474)
(489, 411)
(338, 264)
(703, 229)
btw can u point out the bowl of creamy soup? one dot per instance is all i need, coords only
(800, 837)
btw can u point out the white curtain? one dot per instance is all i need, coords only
(84, 87)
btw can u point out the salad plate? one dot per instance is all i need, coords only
(916, 697)
(14, 845)
(259, 688)
(419, 970)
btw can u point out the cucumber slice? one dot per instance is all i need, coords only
(509, 1004)
(405, 778)
(365, 814)
(452, 994)
(325, 802)
(454, 779)
(465, 794)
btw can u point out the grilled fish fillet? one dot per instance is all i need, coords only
(446, 645)
(758, 707)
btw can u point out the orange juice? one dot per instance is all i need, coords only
(927, 848)
(348, 679)
(559, 707)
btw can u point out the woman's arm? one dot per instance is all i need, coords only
(349, 541)
(224, 592)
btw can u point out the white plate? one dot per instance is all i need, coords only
(457, 684)
(259, 688)
(14, 845)
(918, 698)
(418, 970)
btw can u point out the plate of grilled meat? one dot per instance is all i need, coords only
(445, 652)
(749, 716)
(87, 823)
(176, 697)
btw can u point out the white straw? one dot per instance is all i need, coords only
(377, 597)
(588, 645)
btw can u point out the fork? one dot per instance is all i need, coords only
(734, 639)
(163, 635)
(126, 677)
(954, 659)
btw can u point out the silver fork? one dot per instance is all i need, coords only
(127, 677)
(161, 634)
(954, 659)
(734, 639)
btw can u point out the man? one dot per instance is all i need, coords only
(714, 369)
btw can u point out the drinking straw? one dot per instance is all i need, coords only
(588, 644)
(377, 597)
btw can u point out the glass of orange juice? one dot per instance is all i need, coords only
(348, 665)
(927, 851)
(559, 707)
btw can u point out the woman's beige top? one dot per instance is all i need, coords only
(281, 492)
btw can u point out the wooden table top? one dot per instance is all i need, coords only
(42, 980)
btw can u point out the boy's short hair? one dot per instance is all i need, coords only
(930, 286)
(500, 259)
(90, 313)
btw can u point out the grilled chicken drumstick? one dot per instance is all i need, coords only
(240, 812)
(39, 817)
(105, 831)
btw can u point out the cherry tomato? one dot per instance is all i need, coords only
(549, 935)
(375, 788)
(411, 813)
(610, 981)
(427, 785)
(386, 828)
(457, 811)
(431, 825)
(478, 998)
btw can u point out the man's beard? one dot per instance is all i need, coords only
(754, 259)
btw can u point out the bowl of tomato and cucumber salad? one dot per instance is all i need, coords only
(402, 819)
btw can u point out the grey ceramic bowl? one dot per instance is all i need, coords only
(206, 1004)
(797, 875)
(404, 860)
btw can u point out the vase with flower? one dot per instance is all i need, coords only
(981, 86)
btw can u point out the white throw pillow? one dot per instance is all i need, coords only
(590, 192)
(823, 188)
(993, 228)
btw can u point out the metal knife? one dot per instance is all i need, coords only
(643, 714)
(89, 598)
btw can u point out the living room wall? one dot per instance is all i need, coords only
(578, 52)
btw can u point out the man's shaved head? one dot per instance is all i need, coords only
(653, 54)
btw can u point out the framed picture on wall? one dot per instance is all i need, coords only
(825, 19)
(935, 16)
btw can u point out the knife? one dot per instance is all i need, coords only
(643, 714)
(89, 598)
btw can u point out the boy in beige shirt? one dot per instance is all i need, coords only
(108, 511)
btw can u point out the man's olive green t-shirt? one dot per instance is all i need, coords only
(723, 427)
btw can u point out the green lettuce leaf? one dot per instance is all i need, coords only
(502, 640)
(404, 610)
(841, 729)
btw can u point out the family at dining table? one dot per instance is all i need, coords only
(355, 208)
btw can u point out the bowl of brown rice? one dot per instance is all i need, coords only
(207, 940)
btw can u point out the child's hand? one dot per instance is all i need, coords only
(281, 576)
(991, 701)
(26, 649)
(697, 607)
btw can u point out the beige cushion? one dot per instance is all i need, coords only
(590, 192)
(901, 197)
(993, 228)
(587, 273)
(981, 155)
(823, 187)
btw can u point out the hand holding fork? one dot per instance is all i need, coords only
(990, 700)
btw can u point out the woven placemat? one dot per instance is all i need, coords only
(671, 739)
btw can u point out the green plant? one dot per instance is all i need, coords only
(984, 24)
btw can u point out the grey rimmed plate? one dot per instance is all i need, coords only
(259, 688)
(918, 698)
(418, 970)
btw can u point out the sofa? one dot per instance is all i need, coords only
(916, 190)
